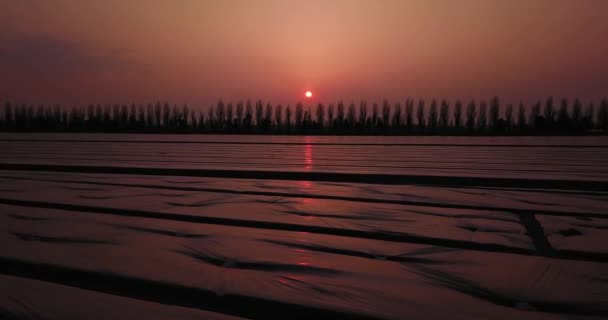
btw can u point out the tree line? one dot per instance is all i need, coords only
(411, 117)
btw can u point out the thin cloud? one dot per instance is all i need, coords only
(45, 53)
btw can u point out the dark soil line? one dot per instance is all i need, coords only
(329, 197)
(353, 233)
(445, 181)
(169, 294)
(537, 234)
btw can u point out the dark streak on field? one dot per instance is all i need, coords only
(375, 235)
(391, 179)
(166, 293)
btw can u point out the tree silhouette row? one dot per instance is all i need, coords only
(411, 117)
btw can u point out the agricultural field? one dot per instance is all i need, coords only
(288, 227)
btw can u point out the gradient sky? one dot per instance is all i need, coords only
(196, 51)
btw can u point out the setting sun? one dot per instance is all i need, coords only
(308, 94)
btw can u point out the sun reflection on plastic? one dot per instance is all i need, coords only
(308, 157)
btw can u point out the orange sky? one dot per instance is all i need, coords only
(196, 51)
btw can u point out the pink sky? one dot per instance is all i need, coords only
(195, 51)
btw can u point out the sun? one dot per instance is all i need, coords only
(308, 94)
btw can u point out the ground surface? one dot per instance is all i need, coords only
(117, 226)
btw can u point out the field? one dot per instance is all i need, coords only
(102, 226)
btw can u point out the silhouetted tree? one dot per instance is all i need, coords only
(577, 114)
(340, 116)
(132, 116)
(458, 114)
(157, 115)
(362, 114)
(174, 119)
(549, 112)
(320, 115)
(386, 114)
(124, 116)
(184, 117)
(509, 116)
(259, 113)
(193, 121)
(268, 116)
(494, 112)
(229, 115)
(397, 116)
(563, 118)
(288, 117)
(248, 120)
(351, 115)
(149, 116)
(239, 114)
(409, 114)
(420, 114)
(330, 115)
(8, 114)
(211, 118)
(278, 116)
(471, 115)
(299, 115)
(603, 115)
(444, 115)
(374, 119)
(201, 120)
(433, 116)
(220, 114)
(588, 120)
(165, 119)
(141, 117)
(482, 116)
(535, 118)
(107, 117)
(307, 119)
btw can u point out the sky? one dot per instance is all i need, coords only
(196, 51)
